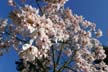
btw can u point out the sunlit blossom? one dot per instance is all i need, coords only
(34, 35)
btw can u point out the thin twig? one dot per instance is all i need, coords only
(54, 70)
(67, 62)
(58, 58)
(9, 33)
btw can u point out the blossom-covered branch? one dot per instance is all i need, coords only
(52, 36)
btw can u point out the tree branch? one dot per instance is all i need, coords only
(58, 58)
(67, 62)
(54, 70)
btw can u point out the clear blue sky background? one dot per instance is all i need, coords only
(93, 10)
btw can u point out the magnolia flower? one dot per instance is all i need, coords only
(3, 22)
(56, 1)
(89, 34)
(86, 24)
(77, 46)
(11, 3)
(98, 33)
(31, 29)
(29, 53)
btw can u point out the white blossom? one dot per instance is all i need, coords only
(98, 33)
(57, 27)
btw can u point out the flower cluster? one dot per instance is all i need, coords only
(30, 52)
(40, 28)
(4, 43)
(57, 27)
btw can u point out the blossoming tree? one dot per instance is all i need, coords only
(51, 38)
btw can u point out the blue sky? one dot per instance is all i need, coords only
(93, 10)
